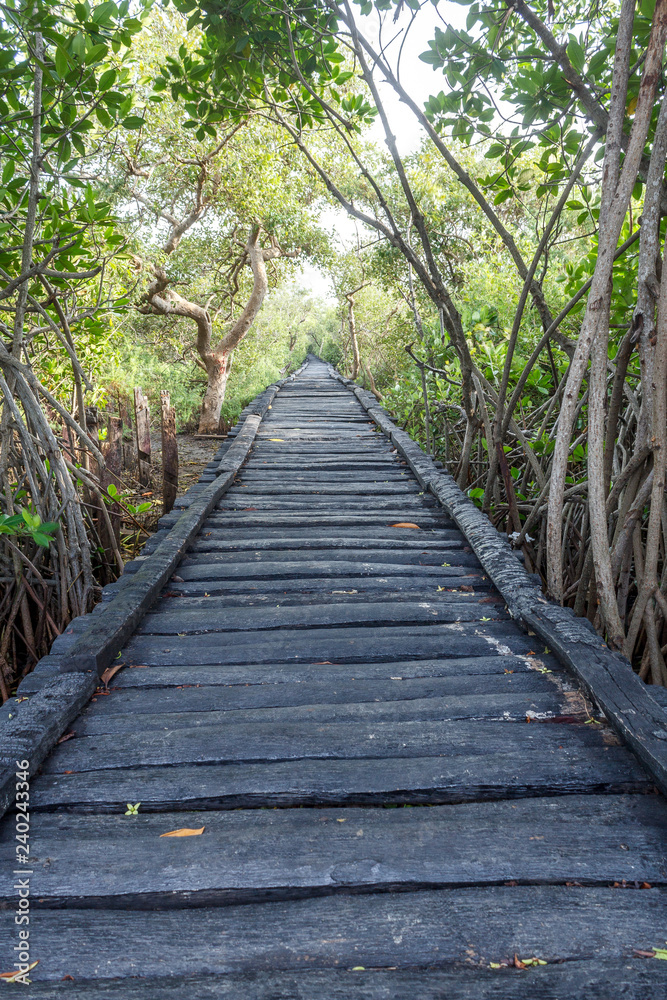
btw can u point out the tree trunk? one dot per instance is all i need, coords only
(356, 360)
(217, 368)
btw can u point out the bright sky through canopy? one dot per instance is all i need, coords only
(419, 78)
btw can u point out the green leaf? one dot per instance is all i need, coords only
(50, 527)
(43, 540)
(105, 12)
(132, 122)
(62, 62)
(107, 79)
(503, 196)
(576, 54)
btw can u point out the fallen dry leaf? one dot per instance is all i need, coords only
(67, 736)
(185, 832)
(277, 439)
(110, 672)
(10, 977)
(405, 524)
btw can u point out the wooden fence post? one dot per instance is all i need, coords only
(169, 453)
(128, 455)
(142, 421)
(112, 449)
(113, 452)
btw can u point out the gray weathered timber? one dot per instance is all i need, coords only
(634, 980)
(334, 645)
(165, 676)
(131, 702)
(254, 855)
(259, 741)
(176, 621)
(305, 671)
(413, 930)
(585, 770)
(500, 708)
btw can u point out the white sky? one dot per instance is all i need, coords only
(421, 80)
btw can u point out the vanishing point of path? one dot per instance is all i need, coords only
(398, 791)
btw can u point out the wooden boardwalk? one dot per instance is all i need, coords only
(400, 791)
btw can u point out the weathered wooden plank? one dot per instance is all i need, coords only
(636, 979)
(230, 540)
(341, 644)
(419, 557)
(280, 673)
(325, 489)
(175, 600)
(508, 707)
(446, 929)
(265, 475)
(220, 526)
(247, 855)
(175, 621)
(454, 577)
(383, 782)
(330, 690)
(263, 742)
(333, 569)
(301, 519)
(391, 507)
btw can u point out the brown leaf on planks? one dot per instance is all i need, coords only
(110, 672)
(184, 832)
(11, 977)
(67, 736)
(405, 524)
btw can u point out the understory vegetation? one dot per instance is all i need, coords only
(196, 193)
